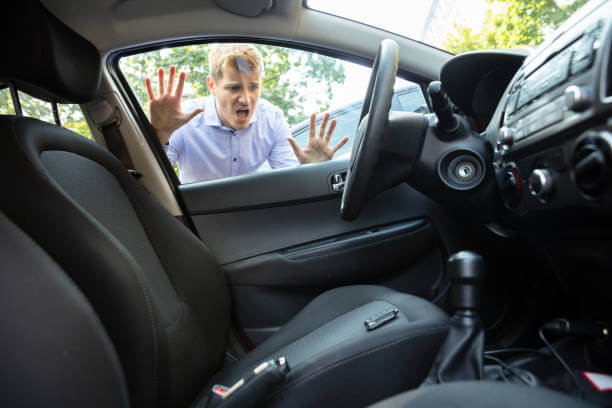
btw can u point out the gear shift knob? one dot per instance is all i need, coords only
(466, 271)
(461, 356)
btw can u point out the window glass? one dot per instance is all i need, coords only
(6, 102)
(36, 108)
(72, 118)
(459, 25)
(412, 100)
(227, 142)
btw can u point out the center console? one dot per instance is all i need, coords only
(551, 136)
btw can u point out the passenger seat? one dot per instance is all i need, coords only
(157, 289)
(54, 351)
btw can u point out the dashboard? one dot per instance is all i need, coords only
(551, 133)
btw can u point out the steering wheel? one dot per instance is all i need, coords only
(372, 124)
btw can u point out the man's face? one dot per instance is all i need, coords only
(236, 95)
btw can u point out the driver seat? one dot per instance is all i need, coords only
(157, 289)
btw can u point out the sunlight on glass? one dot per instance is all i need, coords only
(72, 118)
(36, 108)
(459, 25)
(6, 102)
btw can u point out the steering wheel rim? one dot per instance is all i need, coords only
(372, 124)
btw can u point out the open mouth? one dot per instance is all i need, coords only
(242, 114)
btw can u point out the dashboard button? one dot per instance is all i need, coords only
(505, 138)
(577, 98)
(541, 183)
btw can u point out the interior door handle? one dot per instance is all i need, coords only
(338, 180)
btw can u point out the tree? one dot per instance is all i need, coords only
(515, 23)
(287, 73)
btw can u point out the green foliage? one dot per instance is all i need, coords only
(515, 23)
(80, 127)
(287, 74)
(6, 102)
(36, 108)
(71, 116)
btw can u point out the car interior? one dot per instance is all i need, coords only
(459, 257)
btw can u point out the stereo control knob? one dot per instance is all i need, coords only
(578, 98)
(541, 183)
(505, 138)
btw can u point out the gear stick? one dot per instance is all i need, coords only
(461, 355)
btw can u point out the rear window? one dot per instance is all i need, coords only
(70, 115)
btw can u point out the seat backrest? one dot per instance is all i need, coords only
(53, 348)
(158, 291)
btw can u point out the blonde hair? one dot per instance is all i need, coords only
(245, 57)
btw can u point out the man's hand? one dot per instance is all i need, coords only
(165, 109)
(318, 148)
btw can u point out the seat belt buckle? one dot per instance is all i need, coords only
(249, 390)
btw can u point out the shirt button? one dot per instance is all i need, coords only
(234, 159)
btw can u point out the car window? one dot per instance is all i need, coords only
(36, 108)
(294, 84)
(411, 100)
(70, 115)
(6, 102)
(407, 97)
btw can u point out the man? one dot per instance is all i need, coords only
(236, 131)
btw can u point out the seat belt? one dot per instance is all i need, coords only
(115, 143)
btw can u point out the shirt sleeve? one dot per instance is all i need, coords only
(281, 154)
(174, 147)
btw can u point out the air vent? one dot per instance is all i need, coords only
(591, 162)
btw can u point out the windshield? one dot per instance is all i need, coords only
(459, 25)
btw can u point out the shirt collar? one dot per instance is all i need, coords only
(211, 117)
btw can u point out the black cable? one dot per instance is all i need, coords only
(509, 368)
(501, 367)
(563, 363)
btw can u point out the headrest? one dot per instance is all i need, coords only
(45, 58)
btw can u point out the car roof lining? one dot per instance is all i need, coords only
(112, 25)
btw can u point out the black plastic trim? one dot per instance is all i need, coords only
(351, 241)
(296, 185)
(343, 259)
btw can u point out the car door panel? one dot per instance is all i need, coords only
(257, 214)
(359, 256)
(260, 190)
(280, 283)
(279, 235)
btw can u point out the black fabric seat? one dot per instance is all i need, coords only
(157, 289)
(53, 348)
(337, 360)
(166, 304)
